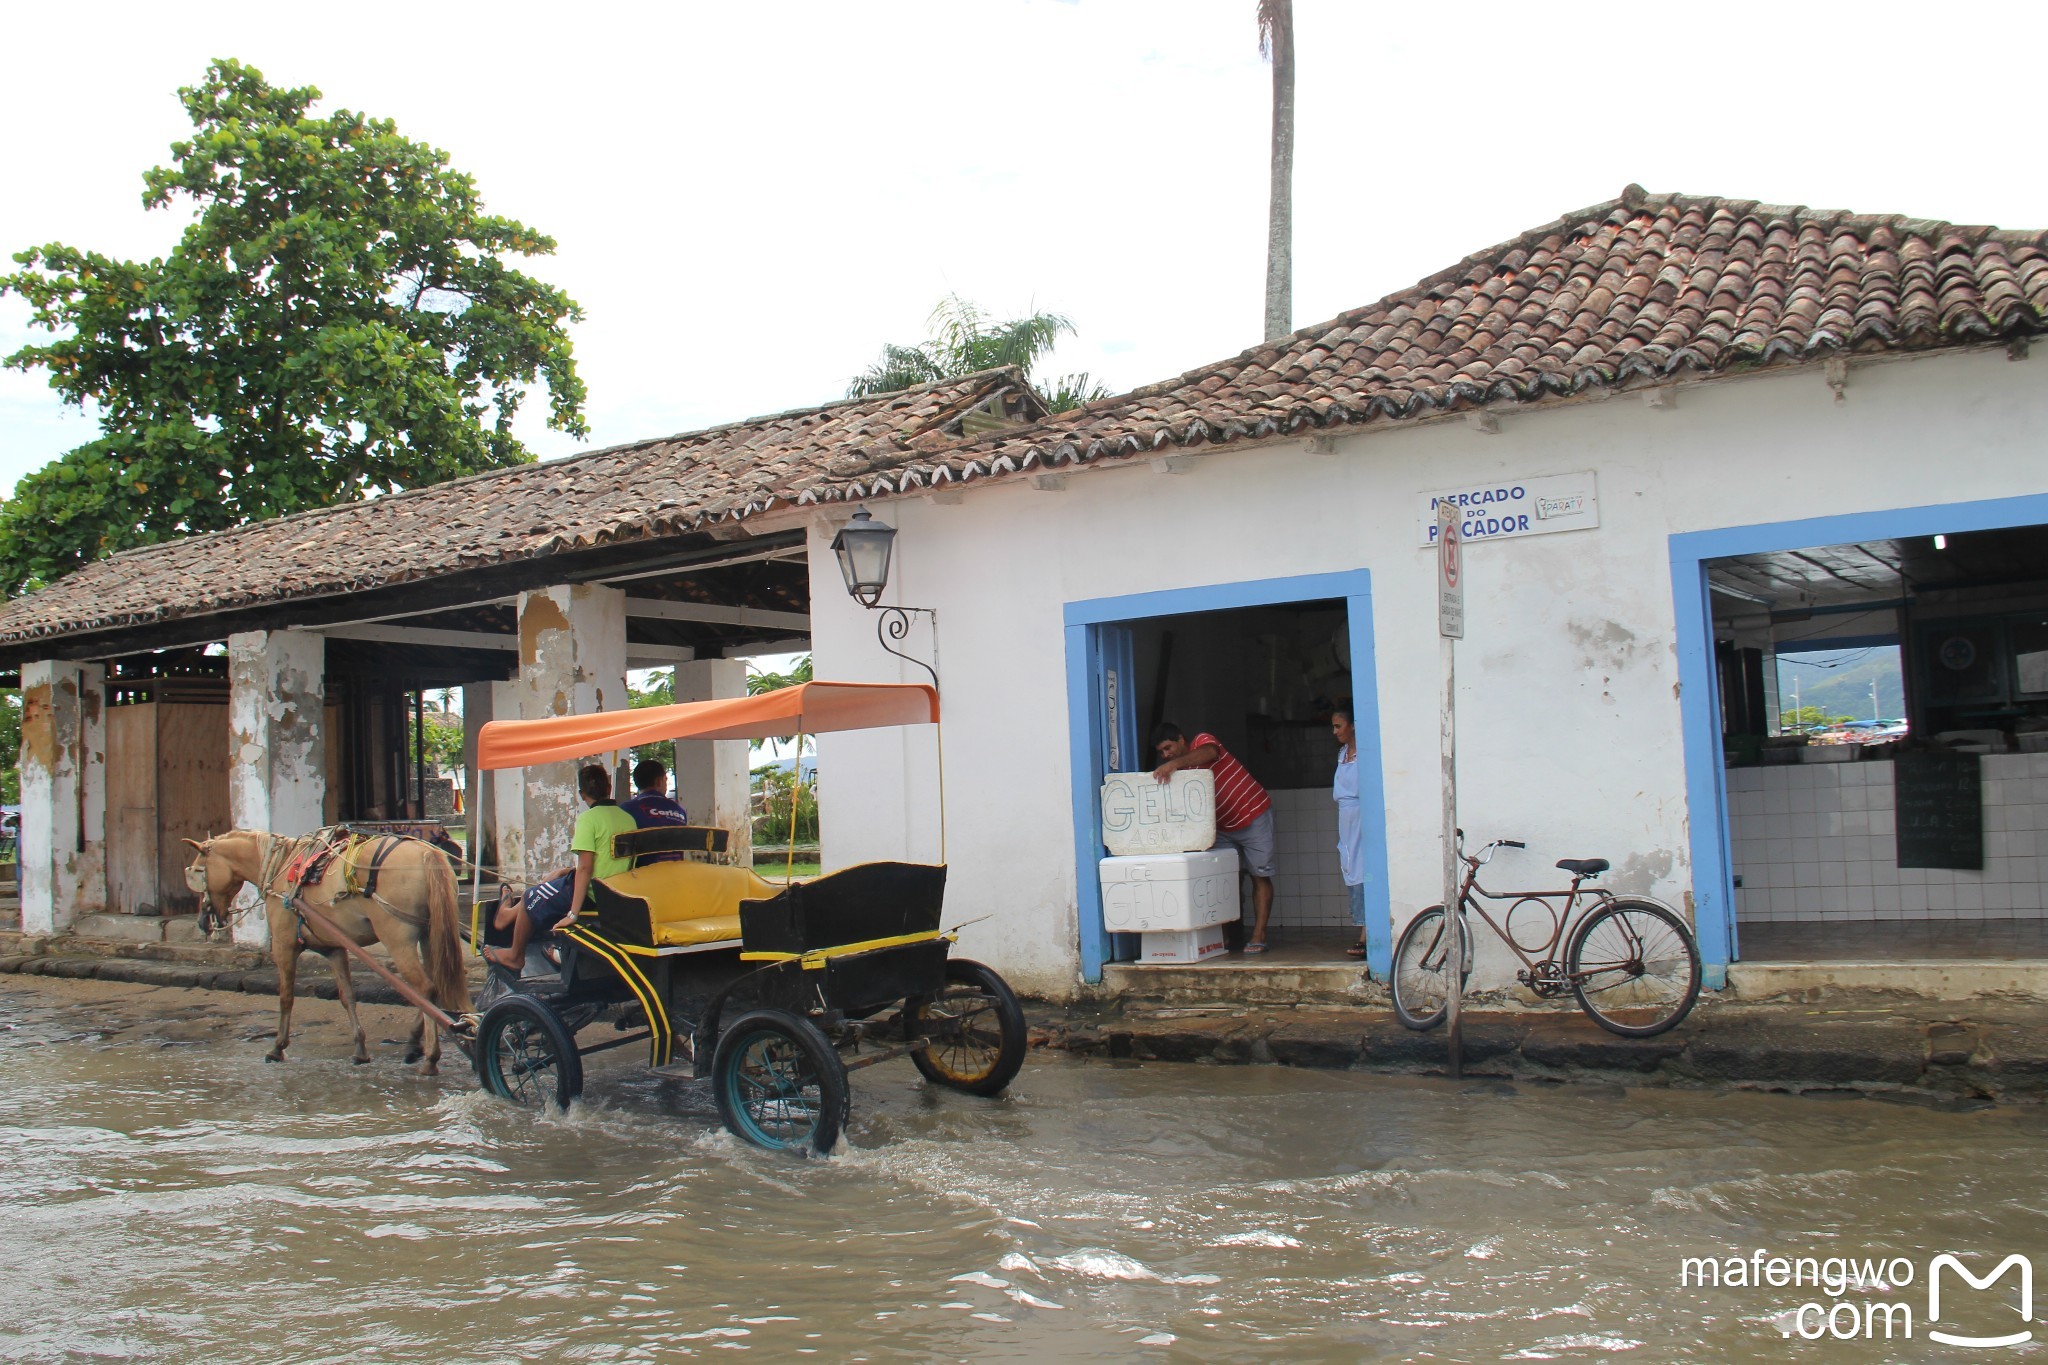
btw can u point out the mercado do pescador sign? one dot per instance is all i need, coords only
(1507, 508)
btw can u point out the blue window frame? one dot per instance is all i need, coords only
(1706, 787)
(1096, 645)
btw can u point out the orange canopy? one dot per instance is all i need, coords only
(808, 708)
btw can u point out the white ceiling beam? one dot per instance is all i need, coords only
(799, 645)
(654, 609)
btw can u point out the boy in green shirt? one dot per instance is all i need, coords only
(548, 905)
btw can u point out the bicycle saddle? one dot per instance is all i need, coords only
(1584, 867)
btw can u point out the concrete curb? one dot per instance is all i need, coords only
(1883, 1051)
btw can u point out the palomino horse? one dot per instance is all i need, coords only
(412, 911)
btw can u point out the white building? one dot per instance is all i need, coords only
(1699, 393)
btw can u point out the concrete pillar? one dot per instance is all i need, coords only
(277, 773)
(572, 662)
(508, 794)
(712, 775)
(62, 853)
(478, 706)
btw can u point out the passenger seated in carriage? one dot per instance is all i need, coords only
(546, 906)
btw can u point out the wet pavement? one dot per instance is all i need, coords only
(172, 1197)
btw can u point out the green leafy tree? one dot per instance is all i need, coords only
(965, 340)
(10, 744)
(660, 691)
(338, 319)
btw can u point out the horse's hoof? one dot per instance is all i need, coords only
(360, 1061)
(273, 1056)
(431, 1069)
(413, 1056)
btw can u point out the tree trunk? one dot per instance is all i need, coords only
(1280, 219)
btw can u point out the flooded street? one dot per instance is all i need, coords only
(171, 1197)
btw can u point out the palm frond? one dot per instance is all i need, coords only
(1071, 391)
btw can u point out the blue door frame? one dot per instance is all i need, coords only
(1699, 703)
(1090, 631)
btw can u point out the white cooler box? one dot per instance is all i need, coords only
(1145, 893)
(1183, 945)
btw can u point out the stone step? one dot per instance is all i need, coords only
(119, 928)
(1938, 980)
(1236, 980)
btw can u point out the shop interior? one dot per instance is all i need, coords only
(1263, 680)
(1889, 838)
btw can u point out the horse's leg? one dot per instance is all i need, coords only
(345, 988)
(414, 1050)
(405, 956)
(284, 951)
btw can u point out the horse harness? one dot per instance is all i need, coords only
(303, 862)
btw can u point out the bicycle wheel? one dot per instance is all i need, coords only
(1634, 968)
(1422, 969)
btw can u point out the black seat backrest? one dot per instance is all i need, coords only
(636, 843)
(854, 905)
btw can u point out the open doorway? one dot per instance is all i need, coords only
(1259, 666)
(1884, 731)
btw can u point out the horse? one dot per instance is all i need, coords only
(412, 911)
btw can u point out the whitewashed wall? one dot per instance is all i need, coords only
(1569, 724)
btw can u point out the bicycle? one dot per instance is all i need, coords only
(1630, 963)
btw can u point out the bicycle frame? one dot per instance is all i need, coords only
(1566, 916)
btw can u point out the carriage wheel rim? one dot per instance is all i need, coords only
(773, 1092)
(959, 1049)
(525, 1062)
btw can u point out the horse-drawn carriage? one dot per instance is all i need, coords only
(773, 992)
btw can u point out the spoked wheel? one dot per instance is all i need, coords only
(976, 1029)
(525, 1054)
(1634, 968)
(1422, 969)
(780, 1084)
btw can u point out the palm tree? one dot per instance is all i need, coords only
(1276, 40)
(966, 340)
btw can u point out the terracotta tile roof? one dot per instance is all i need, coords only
(643, 490)
(1645, 289)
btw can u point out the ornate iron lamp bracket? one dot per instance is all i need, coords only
(893, 623)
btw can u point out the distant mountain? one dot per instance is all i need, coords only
(1839, 681)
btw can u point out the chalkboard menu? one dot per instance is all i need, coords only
(1940, 802)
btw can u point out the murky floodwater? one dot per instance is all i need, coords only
(169, 1196)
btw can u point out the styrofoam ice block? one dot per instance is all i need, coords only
(1142, 893)
(1182, 945)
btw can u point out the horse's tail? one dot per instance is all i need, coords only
(446, 974)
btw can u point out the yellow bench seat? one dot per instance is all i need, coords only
(692, 903)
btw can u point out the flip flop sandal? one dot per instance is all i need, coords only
(1355, 950)
(1250, 948)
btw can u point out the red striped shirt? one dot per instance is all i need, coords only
(1239, 798)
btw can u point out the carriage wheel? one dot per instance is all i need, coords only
(976, 1027)
(780, 1084)
(525, 1054)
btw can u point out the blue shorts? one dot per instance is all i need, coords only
(547, 904)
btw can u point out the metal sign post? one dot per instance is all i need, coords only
(1450, 625)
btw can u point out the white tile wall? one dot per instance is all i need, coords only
(1813, 841)
(1309, 890)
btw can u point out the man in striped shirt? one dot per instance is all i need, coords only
(1244, 813)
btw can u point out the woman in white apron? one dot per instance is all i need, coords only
(1350, 829)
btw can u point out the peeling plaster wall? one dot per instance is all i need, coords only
(63, 794)
(1569, 731)
(572, 661)
(712, 778)
(277, 776)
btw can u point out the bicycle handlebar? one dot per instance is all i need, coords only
(1512, 843)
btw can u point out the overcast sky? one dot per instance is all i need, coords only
(750, 199)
